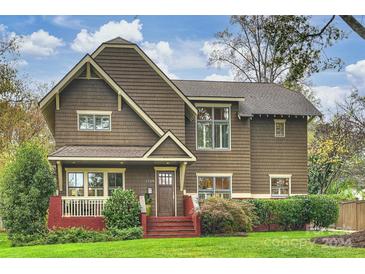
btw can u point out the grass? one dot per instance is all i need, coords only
(257, 245)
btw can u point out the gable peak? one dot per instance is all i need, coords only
(119, 40)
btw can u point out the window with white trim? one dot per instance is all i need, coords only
(75, 184)
(94, 122)
(280, 185)
(115, 181)
(209, 186)
(279, 127)
(213, 127)
(95, 184)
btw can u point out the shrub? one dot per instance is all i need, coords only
(122, 210)
(265, 211)
(77, 235)
(321, 210)
(27, 183)
(220, 215)
(295, 212)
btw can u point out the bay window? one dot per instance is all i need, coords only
(214, 185)
(213, 127)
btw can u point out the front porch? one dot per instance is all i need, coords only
(87, 212)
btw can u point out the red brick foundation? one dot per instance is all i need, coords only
(55, 219)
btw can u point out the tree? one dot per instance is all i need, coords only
(275, 49)
(337, 151)
(20, 118)
(355, 25)
(27, 182)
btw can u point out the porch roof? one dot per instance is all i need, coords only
(100, 151)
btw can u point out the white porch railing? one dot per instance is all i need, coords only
(83, 206)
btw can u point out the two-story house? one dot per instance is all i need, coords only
(119, 122)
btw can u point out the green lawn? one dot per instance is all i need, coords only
(264, 244)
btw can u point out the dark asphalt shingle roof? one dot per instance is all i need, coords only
(100, 151)
(260, 98)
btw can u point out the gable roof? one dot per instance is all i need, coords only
(122, 43)
(167, 135)
(70, 76)
(259, 98)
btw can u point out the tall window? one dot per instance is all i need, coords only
(94, 122)
(279, 127)
(75, 184)
(115, 180)
(280, 185)
(213, 130)
(214, 186)
(95, 184)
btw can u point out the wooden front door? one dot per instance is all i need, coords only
(165, 193)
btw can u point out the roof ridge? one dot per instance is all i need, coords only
(217, 81)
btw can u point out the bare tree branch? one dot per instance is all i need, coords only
(354, 25)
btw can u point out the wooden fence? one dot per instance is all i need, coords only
(352, 215)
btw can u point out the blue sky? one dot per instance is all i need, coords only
(178, 44)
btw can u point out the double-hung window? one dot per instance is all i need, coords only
(95, 184)
(280, 185)
(115, 181)
(279, 127)
(213, 127)
(209, 186)
(75, 184)
(98, 121)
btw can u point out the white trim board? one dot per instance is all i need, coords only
(218, 99)
(169, 134)
(152, 64)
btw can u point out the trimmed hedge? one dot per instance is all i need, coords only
(76, 235)
(293, 213)
(223, 216)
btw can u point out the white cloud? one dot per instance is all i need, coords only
(87, 41)
(220, 77)
(39, 43)
(20, 63)
(330, 96)
(67, 22)
(356, 74)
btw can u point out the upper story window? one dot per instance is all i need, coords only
(213, 127)
(279, 127)
(280, 185)
(94, 121)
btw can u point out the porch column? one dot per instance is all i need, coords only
(59, 176)
(182, 175)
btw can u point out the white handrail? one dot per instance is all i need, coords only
(83, 206)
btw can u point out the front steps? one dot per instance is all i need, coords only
(170, 227)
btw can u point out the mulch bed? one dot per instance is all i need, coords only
(356, 239)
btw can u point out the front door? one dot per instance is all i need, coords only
(165, 193)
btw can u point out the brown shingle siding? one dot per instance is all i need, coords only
(128, 129)
(275, 155)
(145, 87)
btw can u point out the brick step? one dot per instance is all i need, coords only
(170, 225)
(170, 229)
(169, 219)
(171, 236)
